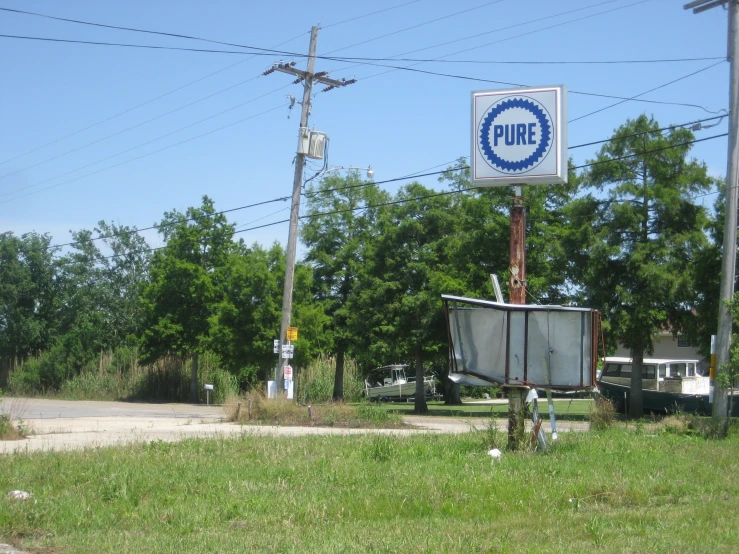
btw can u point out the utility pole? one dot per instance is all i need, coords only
(728, 265)
(517, 294)
(308, 78)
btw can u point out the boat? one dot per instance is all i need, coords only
(395, 385)
(668, 385)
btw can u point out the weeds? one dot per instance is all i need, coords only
(12, 426)
(280, 411)
(380, 449)
(692, 425)
(602, 414)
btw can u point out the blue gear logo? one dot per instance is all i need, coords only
(496, 155)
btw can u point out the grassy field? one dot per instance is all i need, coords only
(563, 408)
(622, 490)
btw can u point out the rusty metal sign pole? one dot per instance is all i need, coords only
(517, 294)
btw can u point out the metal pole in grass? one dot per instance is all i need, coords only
(728, 265)
(517, 295)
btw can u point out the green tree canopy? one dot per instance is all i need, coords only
(634, 235)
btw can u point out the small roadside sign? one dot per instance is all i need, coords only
(287, 351)
(277, 346)
(288, 373)
(292, 333)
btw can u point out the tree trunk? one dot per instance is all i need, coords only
(451, 395)
(194, 379)
(636, 404)
(339, 376)
(420, 396)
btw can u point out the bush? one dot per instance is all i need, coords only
(602, 414)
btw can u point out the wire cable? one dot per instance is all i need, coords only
(130, 128)
(647, 91)
(143, 155)
(504, 29)
(145, 31)
(359, 61)
(137, 106)
(416, 26)
(439, 194)
(369, 14)
(146, 143)
(624, 98)
(183, 220)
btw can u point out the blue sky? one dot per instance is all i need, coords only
(400, 122)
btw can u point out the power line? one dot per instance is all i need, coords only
(183, 220)
(137, 106)
(135, 30)
(147, 142)
(417, 26)
(669, 127)
(650, 151)
(435, 195)
(132, 127)
(633, 98)
(423, 173)
(370, 14)
(647, 91)
(506, 28)
(360, 60)
(139, 157)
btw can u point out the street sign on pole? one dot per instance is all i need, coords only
(277, 346)
(288, 372)
(292, 333)
(287, 351)
(519, 136)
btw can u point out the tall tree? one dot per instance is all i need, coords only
(124, 275)
(336, 245)
(397, 301)
(27, 296)
(185, 284)
(634, 236)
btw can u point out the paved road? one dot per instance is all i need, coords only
(65, 425)
(44, 408)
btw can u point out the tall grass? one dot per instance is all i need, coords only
(315, 382)
(120, 377)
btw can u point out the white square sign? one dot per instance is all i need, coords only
(519, 136)
(287, 351)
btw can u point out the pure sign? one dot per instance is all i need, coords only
(519, 136)
(288, 373)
